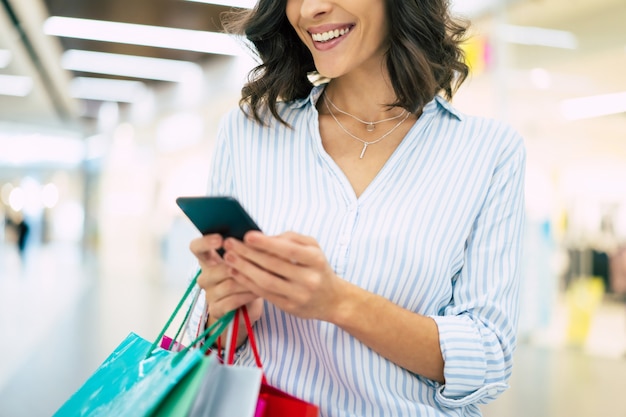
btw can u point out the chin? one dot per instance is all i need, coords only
(329, 73)
(327, 67)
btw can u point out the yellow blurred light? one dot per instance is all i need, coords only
(475, 54)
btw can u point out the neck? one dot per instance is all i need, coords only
(366, 97)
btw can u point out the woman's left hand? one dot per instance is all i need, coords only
(289, 270)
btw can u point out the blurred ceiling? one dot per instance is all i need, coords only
(33, 54)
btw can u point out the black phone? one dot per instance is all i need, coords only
(223, 215)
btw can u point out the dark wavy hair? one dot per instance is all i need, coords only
(424, 56)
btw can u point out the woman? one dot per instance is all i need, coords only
(386, 280)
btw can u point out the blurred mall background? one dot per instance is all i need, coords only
(108, 111)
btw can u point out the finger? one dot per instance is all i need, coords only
(299, 238)
(284, 265)
(266, 284)
(267, 288)
(292, 247)
(227, 288)
(219, 308)
(212, 275)
(290, 236)
(205, 247)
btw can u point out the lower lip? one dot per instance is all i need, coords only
(325, 46)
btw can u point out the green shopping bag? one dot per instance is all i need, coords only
(137, 376)
(180, 399)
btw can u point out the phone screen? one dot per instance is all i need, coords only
(223, 215)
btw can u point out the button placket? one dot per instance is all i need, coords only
(345, 238)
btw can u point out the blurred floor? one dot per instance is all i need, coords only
(62, 313)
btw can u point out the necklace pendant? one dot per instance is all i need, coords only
(363, 150)
(370, 127)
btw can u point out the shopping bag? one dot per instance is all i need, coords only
(276, 403)
(138, 375)
(181, 398)
(151, 388)
(228, 390)
(117, 374)
(168, 343)
(273, 402)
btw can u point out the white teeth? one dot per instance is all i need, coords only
(331, 34)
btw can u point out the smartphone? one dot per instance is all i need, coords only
(223, 215)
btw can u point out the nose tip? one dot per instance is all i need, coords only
(315, 9)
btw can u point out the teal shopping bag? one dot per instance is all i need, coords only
(138, 375)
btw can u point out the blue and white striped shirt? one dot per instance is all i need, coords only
(438, 232)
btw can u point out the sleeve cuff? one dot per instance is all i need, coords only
(465, 364)
(480, 396)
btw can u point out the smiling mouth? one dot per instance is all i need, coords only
(330, 35)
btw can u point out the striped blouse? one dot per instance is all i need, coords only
(438, 232)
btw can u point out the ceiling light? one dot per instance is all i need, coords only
(104, 89)
(130, 66)
(5, 58)
(541, 78)
(594, 106)
(15, 85)
(242, 4)
(529, 35)
(472, 8)
(22, 148)
(128, 33)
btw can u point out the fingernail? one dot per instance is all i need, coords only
(252, 236)
(214, 241)
(229, 257)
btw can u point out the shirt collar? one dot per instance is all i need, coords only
(437, 103)
(446, 106)
(315, 93)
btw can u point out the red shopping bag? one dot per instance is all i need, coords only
(272, 402)
(276, 403)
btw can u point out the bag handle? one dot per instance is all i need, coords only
(230, 359)
(213, 331)
(230, 353)
(188, 291)
(182, 329)
(211, 334)
(251, 339)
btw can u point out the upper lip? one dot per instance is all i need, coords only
(328, 28)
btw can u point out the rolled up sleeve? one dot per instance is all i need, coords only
(477, 330)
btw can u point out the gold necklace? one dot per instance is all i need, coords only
(369, 126)
(364, 142)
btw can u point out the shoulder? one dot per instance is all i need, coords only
(241, 117)
(290, 111)
(480, 131)
(235, 117)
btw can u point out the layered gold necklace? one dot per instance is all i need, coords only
(369, 126)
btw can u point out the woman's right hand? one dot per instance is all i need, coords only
(223, 293)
